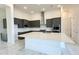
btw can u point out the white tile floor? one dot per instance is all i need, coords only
(18, 49)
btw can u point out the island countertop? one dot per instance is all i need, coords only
(49, 36)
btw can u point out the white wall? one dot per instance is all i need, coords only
(21, 14)
(75, 24)
(53, 14)
(66, 21)
(36, 16)
(70, 22)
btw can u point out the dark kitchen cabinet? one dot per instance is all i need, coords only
(35, 23)
(49, 23)
(56, 25)
(26, 23)
(20, 23)
(16, 20)
(55, 21)
(4, 23)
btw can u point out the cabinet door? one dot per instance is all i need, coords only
(49, 22)
(16, 20)
(35, 23)
(20, 23)
(56, 21)
(56, 24)
(4, 23)
(26, 23)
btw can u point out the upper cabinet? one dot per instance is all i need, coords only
(16, 20)
(22, 23)
(53, 21)
(35, 23)
(49, 23)
(19, 22)
(56, 21)
(26, 23)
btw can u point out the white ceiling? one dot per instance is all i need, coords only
(36, 7)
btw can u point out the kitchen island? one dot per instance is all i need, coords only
(47, 43)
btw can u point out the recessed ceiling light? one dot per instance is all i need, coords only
(25, 7)
(32, 11)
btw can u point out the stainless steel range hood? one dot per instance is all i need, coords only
(42, 21)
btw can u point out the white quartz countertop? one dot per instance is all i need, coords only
(49, 36)
(33, 29)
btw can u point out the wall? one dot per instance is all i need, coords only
(66, 15)
(70, 22)
(21, 14)
(36, 16)
(75, 24)
(53, 14)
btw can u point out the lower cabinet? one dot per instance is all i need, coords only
(4, 35)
